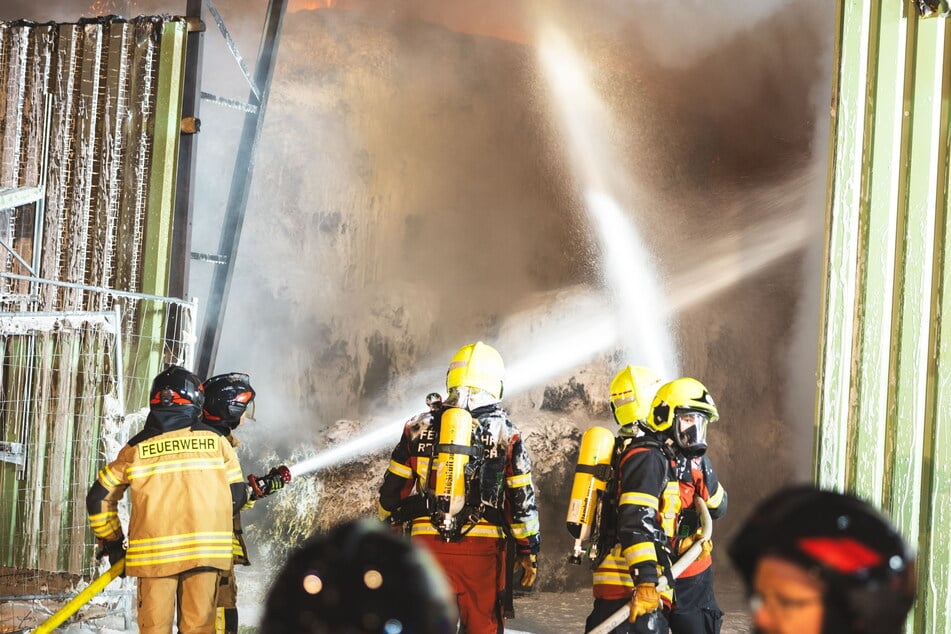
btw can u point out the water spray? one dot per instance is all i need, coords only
(626, 263)
(578, 342)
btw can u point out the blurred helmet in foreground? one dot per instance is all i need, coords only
(866, 569)
(360, 578)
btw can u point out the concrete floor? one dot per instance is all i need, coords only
(561, 612)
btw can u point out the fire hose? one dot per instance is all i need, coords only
(81, 599)
(260, 486)
(678, 567)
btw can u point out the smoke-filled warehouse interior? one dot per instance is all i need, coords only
(337, 197)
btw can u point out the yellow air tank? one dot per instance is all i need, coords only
(449, 486)
(591, 480)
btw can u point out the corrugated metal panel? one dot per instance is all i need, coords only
(884, 389)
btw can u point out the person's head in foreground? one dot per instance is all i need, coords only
(359, 578)
(823, 562)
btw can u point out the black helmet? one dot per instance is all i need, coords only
(867, 569)
(227, 397)
(176, 387)
(360, 578)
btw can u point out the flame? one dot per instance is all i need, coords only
(310, 5)
(499, 19)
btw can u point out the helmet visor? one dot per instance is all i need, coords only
(691, 431)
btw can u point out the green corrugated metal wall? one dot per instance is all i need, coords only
(883, 410)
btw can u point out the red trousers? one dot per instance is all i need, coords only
(475, 567)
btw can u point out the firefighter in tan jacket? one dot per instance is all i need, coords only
(185, 485)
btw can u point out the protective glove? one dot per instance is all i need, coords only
(114, 551)
(690, 540)
(528, 564)
(644, 600)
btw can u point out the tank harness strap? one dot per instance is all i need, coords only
(457, 449)
(602, 472)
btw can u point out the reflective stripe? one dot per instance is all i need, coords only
(161, 550)
(613, 577)
(717, 498)
(516, 481)
(525, 529)
(185, 538)
(106, 524)
(422, 471)
(176, 466)
(482, 529)
(234, 475)
(671, 511)
(108, 479)
(639, 553)
(400, 470)
(133, 560)
(614, 571)
(640, 499)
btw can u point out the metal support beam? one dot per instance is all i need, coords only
(184, 191)
(187, 149)
(240, 186)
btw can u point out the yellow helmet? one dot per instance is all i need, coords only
(476, 365)
(682, 409)
(631, 392)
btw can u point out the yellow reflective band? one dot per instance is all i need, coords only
(171, 557)
(640, 499)
(613, 578)
(482, 529)
(108, 479)
(525, 529)
(181, 444)
(639, 553)
(400, 470)
(422, 469)
(176, 466)
(100, 519)
(183, 538)
(234, 475)
(716, 499)
(106, 525)
(517, 481)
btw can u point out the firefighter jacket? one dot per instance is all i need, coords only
(500, 498)
(184, 485)
(697, 477)
(645, 498)
(239, 549)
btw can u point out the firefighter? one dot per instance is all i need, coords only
(643, 505)
(360, 578)
(227, 398)
(184, 485)
(818, 561)
(461, 478)
(695, 609)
